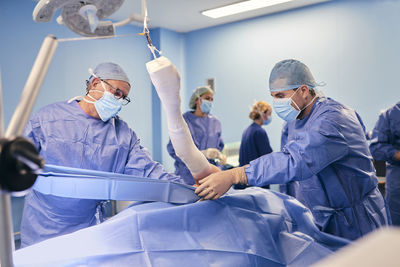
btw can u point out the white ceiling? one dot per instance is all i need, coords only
(185, 16)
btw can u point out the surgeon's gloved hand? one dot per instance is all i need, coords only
(222, 159)
(216, 184)
(215, 154)
(211, 153)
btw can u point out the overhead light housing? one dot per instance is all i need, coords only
(241, 7)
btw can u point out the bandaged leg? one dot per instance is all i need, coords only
(166, 80)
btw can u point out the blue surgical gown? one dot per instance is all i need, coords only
(328, 167)
(206, 133)
(385, 142)
(67, 136)
(254, 144)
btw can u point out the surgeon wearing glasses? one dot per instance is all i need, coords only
(85, 132)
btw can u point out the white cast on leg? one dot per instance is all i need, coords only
(166, 80)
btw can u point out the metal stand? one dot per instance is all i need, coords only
(16, 127)
(6, 237)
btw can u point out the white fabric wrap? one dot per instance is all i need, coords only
(166, 80)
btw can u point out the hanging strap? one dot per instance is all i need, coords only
(146, 31)
(88, 184)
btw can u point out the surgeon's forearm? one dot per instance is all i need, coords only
(276, 168)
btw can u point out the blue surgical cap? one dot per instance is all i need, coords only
(290, 74)
(110, 71)
(197, 93)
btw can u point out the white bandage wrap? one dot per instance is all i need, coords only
(166, 80)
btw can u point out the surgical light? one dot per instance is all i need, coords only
(83, 17)
(241, 7)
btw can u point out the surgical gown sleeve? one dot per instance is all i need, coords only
(284, 135)
(31, 132)
(381, 146)
(171, 151)
(308, 153)
(141, 164)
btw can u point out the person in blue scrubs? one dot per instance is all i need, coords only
(85, 134)
(325, 160)
(255, 142)
(385, 145)
(205, 130)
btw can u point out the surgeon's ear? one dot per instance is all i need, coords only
(304, 90)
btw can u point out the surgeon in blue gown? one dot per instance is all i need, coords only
(87, 134)
(385, 145)
(205, 130)
(325, 160)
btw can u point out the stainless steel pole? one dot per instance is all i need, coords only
(16, 127)
(6, 232)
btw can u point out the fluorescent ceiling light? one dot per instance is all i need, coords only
(241, 7)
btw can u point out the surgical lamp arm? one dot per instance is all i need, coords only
(132, 17)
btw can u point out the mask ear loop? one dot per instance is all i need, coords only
(94, 75)
(310, 102)
(316, 95)
(292, 101)
(102, 84)
(200, 100)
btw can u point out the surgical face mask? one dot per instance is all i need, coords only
(107, 106)
(206, 106)
(267, 121)
(283, 107)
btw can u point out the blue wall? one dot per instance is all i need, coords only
(350, 45)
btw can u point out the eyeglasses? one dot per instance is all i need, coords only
(118, 94)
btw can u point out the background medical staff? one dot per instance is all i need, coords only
(255, 142)
(85, 134)
(385, 145)
(205, 130)
(325, 161)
